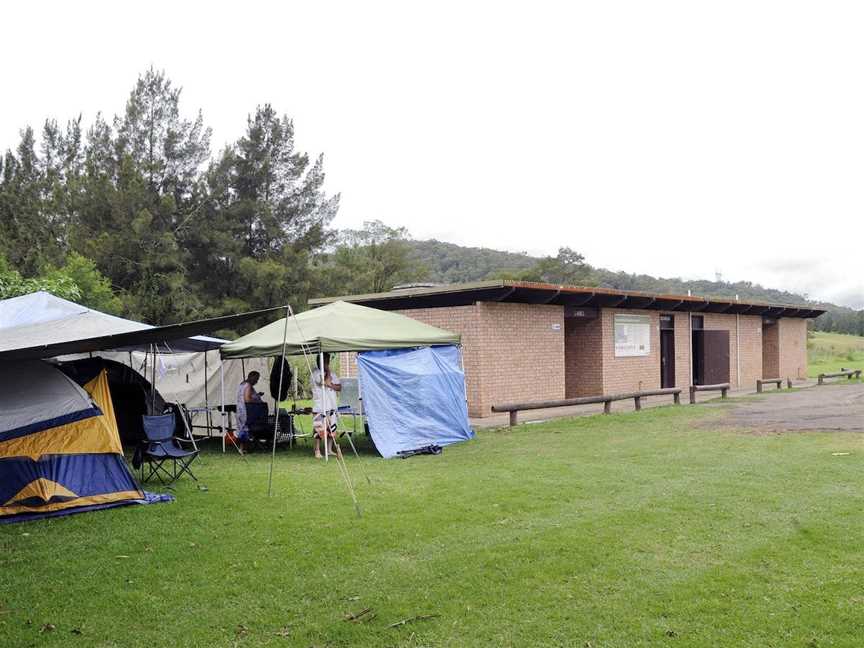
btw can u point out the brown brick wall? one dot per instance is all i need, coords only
(583, 356)
(750, 333)
(771, 351)
(683, 371)
(521, 353)
(512, 352)
(793, 348)
(629, 373)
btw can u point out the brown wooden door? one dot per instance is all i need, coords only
(715, 357)
(667, 358)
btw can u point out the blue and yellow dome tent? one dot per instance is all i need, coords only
(60, 450)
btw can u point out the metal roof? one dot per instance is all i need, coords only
(576, 296)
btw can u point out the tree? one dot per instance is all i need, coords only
(12, 284)
(94, 289)
(267, 217)
(567, 268)
(372, 259)
(141, 187)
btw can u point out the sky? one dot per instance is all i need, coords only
(682, 139)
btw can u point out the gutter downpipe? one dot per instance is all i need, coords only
(690, 342)
(738, 345)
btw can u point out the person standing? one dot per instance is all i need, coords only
(246, 394)
(325, 402)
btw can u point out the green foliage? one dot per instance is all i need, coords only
(372, 259)
(94, 288)
(12, 284)
(451, 263)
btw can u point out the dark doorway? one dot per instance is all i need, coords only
(667, 351)
(710, 357)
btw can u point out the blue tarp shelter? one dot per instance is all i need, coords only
(414, 398)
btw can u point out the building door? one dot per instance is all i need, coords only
(715, 357)
(667, 351)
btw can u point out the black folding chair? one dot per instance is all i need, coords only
(162, 447)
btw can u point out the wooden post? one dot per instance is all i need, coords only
(638, 400)
(514, 418)
(821, 379)
(692, 395)
(723, 392)
(758, 386)
(607, 407)
(677, 397)
(789, 383)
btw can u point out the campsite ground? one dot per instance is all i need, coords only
(664, 527)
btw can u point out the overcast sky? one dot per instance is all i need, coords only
(669, 138)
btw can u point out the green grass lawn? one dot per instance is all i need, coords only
(648, 529)
(829, 352)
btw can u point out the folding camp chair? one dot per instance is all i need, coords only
(162, 446)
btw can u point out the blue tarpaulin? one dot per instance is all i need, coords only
(414, 398)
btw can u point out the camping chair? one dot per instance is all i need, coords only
(162, 446)
(257, 424)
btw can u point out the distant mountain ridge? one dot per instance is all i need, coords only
(451, 263)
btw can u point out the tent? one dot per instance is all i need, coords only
(414, 398)
(40, 325)
(336, 327)
(131, 393)
(437, 381)
(60, 451)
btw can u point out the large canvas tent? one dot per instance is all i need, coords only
(431, 385)
(60, 452)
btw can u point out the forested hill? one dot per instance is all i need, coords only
(451, 263)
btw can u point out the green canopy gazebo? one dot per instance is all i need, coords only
(337, 327)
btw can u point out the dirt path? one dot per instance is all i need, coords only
(831, 407)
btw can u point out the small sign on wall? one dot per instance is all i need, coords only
(556, 327)
(632, 335)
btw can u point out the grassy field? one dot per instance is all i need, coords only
(648, 529)
(829, 352)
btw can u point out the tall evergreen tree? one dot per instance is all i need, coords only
(268, 215)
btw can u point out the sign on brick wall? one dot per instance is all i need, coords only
(632, 335)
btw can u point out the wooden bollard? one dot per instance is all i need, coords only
(607, 407)
(638, 401)
(692, 395)
(514, 418)
(677, 397)
(789, 383)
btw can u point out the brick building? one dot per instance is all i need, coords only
(528, 341)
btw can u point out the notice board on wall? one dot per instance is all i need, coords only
(632, 335)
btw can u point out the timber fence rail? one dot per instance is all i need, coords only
(723, 388)
(760, 382)
(844, 373)
(607, 400)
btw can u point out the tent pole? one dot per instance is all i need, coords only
(206, 399)
(464, 380)
(222, 408)
(153, 380)
(278, 395)
(324, 404)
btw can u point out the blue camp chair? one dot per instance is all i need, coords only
(161, 447)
